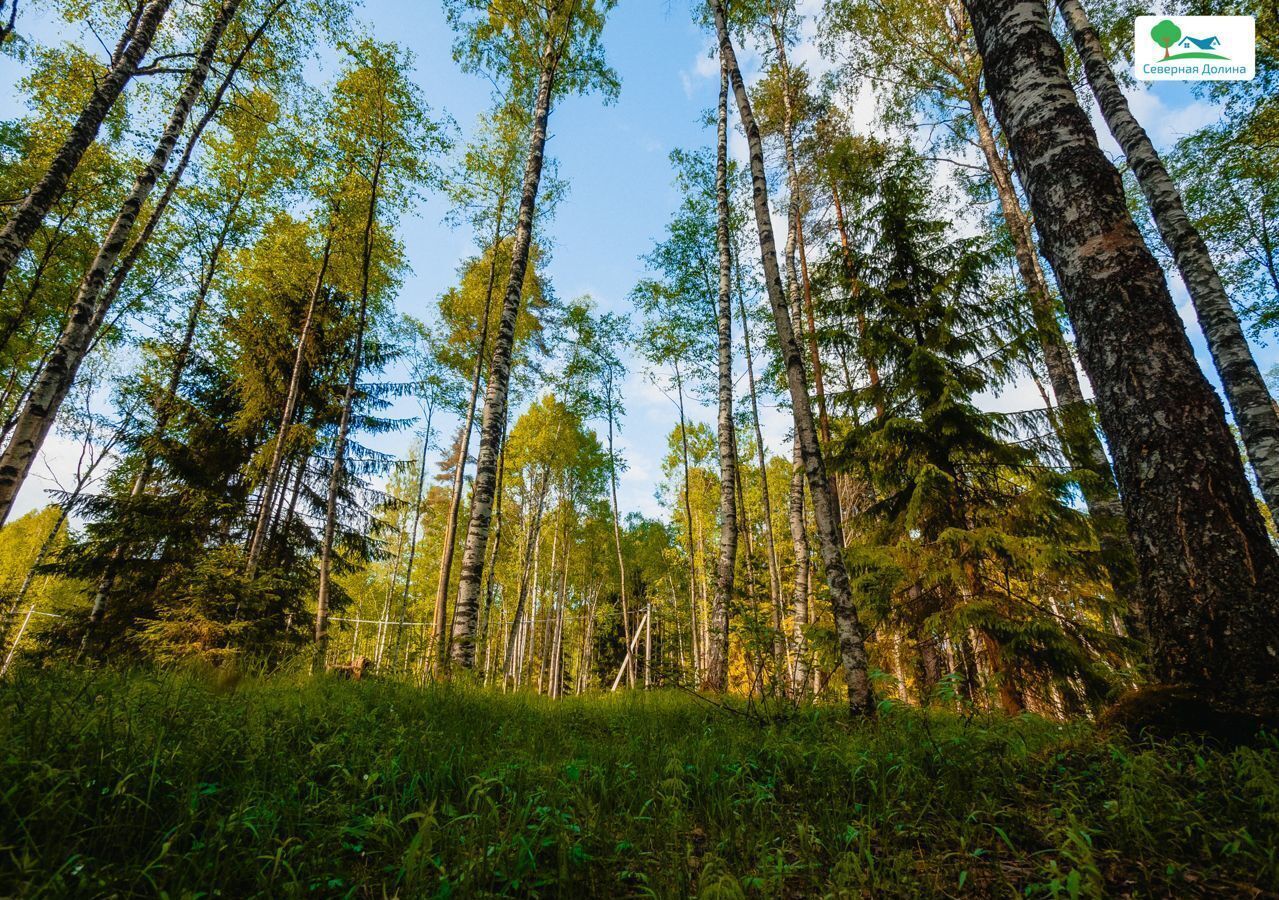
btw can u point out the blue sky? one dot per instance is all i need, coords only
(614, 159)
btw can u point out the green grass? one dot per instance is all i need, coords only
(123, 784)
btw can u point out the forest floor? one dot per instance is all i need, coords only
(178, 784)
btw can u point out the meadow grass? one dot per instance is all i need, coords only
(151, 783)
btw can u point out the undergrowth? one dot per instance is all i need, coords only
(176, 784)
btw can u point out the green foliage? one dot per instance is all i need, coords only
(118, 783)
(1165, 34)
(969, 536)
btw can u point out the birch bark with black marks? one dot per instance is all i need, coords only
(496, 397)
(1210, 574)
(798, 669)
(464, 447)
(30, 212)
(800, 286)
(338, 468)
(717, 656)
(490, 571)
(88, 311)
(1246, 390)
(847, 626)
(1079, 440)
(130, 258)
(774, 569)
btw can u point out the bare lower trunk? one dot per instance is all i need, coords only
(531, 537)
(29, 213)
(825, 510)
(699, 659)
(495, 400)
(417, 518)
(88, 312)
(774, 569)
(490, 585)
(717, 661)
(1207, 566)
(617, 535)
(1250, 400)
(799, 596)
(459, 474)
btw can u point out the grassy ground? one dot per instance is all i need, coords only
(122, 784)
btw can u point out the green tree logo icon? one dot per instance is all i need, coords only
(1166, 33)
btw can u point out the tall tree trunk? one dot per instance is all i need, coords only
(1082, 447)
(841, 224)
(344, 426)
(803, 573)
(825, 510)
(258, 540)
(1250, 400)
(130, 258)
(717, 662)
(699, 659)
(29, 213)
(464, 447)
(495, 398)
(88, 312)
(774, 569)
(417, 518)
(1207, 566)
(490, 576)
(617, 530)
(801, 290)
(531, 537)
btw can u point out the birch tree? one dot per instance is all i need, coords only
(1207, 566)
(555, 45)
(88, 311)
(29, 213)
(825, 509)
(1250, 400)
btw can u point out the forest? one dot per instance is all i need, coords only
(893, 516)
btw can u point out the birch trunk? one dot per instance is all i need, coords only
(531, 539)
(617, 530)
(774, 570)
(800, 287)
(717, 662)
(847, 625)
(87, 311)
(130, 258)
(1207, 566)
(417, 518)
(459, 475)
(699, 640)
(495, 399)
(1246, 391)
(1082, 447)
(29, 214)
